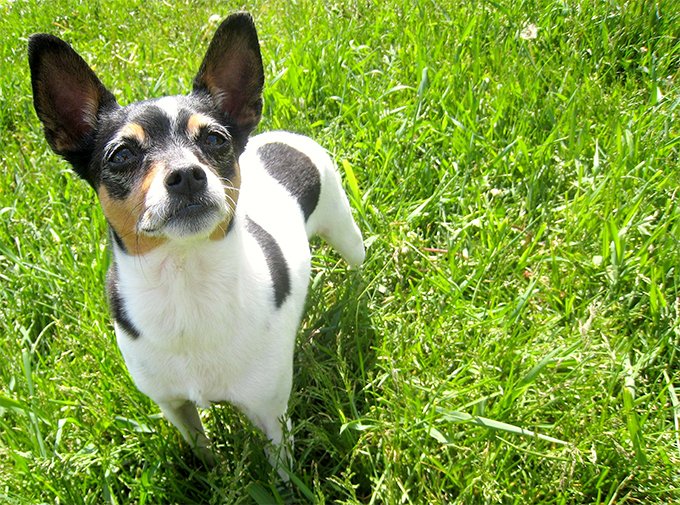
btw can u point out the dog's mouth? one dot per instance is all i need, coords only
(191, 211)
(183, 219)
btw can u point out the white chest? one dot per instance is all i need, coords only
(208, 319)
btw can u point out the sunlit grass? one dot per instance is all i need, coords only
(513, 336)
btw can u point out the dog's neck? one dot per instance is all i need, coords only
(187, 259)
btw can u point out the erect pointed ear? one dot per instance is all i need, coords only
(232, 72)
(68, 98)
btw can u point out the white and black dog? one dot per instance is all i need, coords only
(209, 229)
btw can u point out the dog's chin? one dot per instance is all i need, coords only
(192, 221)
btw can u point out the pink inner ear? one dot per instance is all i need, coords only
(235, 80)
(75, 104)
(232, 82)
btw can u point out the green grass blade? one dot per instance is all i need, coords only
(462, 417)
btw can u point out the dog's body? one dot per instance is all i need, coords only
(206, 294)
(218, 319)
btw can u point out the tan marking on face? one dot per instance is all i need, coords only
(231, 191)
(196, 122)
(123, 215)
(134, 131)
(148, 179)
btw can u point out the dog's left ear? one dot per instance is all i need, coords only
(232, 72)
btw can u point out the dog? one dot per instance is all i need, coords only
(209, 229)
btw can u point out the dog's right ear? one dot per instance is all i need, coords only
(68, 98)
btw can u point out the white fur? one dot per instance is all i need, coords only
(169, 105)
(210, 330)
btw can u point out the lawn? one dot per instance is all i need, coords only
(514, 335)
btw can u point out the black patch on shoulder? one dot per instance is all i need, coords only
(278, 268)
(295, 172)
(116, 304)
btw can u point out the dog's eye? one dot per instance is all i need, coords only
(214, 139)
(121, 156)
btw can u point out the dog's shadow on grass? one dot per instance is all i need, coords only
(333, 367)
(333, 362)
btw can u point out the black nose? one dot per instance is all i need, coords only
(186, 180)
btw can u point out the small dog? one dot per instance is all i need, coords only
(209, 229)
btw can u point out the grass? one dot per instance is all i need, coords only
(513, 336)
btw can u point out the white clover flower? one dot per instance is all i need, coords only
(529, 32)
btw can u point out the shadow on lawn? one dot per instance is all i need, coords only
(334, 356)
(333, 367)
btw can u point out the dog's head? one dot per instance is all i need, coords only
(164, 169)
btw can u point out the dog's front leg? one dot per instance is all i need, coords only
(279, 452)
(184, 416)
(277, 427)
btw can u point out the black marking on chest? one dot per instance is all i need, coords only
(295, 172)
(278, 268)
(116, 304)
(115, 238)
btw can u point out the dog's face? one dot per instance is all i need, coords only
(164, 169)
(168, 170)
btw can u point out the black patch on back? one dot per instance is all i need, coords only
(116, 304)
(295, 172)
(278, 268)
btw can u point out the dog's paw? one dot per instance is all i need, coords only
(206, 457)
(281, 460)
